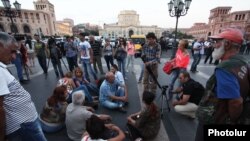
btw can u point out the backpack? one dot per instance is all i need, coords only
(209, 102)
(55, 53)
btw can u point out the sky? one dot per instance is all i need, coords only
(151, 12)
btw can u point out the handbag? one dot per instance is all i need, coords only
(169, 66)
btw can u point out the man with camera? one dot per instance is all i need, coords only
(191, 93)
(151, 57)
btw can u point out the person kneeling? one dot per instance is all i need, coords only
(191, 93)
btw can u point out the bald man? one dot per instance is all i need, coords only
(113, 94)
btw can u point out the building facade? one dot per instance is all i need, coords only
(64, 27)
(128, 24)
(221, 18)
(40, 21)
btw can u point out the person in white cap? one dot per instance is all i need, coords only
(227, 90)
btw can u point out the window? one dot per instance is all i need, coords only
(236, 18)
(239, 17)
(37, 16)
(26, 15)
(2, 28)
(13, 28)
(26, 29)
(243, 16)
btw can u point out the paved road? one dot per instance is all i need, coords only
(178, 127)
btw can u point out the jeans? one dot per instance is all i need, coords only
(87, 66)
(51, 127)
(42, 61)
(97, 61)
(174, 75)
(142, 72)
(30, 131)
(71, 62)
(83, 88)
(18, 64)
(57, 66)
(109, 60)
(130, 58)
(197, 58)
(92, 89)
(121, 66)
(114, 104)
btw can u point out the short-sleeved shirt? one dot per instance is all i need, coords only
(87, 138)
(40, 49)
(194, 89)
(197, 45)
(71, 49)
(96, 46)
(76, 116)
(84, 50)
(227, 86)
(18, 105)
(152, 52)
(107, 89)
(119, 77)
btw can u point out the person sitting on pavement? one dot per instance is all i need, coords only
(118, 75)
(113, 94)
(146, 123)
(79, 80)
(191, 93)
(97, 130)
(52, 117)
(76, 116)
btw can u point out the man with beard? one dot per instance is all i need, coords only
(227, 90)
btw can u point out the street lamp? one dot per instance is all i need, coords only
(176, 9)
(11, 13)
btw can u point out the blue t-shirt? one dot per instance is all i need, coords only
(107, 89)
(227, 85)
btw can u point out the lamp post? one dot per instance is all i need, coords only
(11, 13)
(176, 9)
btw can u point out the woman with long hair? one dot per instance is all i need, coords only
(108, 53)
(53, 115)
(146, 123)
(181, 62)
(121, 55)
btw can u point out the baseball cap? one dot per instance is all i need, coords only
(232, 34)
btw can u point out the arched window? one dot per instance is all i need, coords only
(2, 28)
(13, 28)
(26, 29)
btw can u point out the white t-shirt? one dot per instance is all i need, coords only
(87, 138)
(84, 49)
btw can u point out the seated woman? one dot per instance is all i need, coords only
(146, 123)
(52, 117)
(71, 87)
(80, 80)
(97, 130)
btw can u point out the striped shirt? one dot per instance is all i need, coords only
(152, 53)
(17, 101)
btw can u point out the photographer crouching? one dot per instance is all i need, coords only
(151, 57)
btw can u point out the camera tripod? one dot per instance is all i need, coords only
(163, 90)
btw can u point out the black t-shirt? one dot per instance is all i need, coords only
(194, 89)
(96, 47)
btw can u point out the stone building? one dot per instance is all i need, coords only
(221, 18)
(41, 20)
(127, 25)
(64, 27)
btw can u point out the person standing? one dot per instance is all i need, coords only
(181, 62)
(151, 52)
(71, 53)
(30, 50)
(131, 53)
(108, 53)
(56, 56)
(17, 111)
(227, 90)
(121, 55)
(86, 57)
(41, 52)
(97, 54)
(198, 51)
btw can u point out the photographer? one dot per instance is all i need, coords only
(191, 93)
(151, 57)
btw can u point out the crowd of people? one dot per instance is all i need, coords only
(75, 98)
